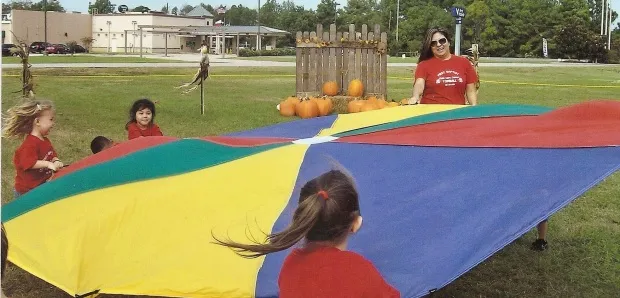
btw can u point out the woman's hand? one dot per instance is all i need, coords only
(418, 90)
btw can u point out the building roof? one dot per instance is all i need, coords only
(199, 11)
(203, 30)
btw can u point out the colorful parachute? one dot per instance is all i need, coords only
(442, 188)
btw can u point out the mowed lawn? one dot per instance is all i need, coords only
(81, 58)
(584, 255)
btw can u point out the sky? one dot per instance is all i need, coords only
(82, 5)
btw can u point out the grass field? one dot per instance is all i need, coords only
(409, 59)
(85, 59)
(584, 255)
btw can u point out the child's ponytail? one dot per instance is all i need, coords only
(328, 206)
(305, 218)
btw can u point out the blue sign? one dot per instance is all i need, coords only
(458, 12)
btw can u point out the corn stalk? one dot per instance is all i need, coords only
(22, 51)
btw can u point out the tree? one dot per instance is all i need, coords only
(102, 7)
(185, 9)
(576, 40)
(326, 12)
(175, 11)
(164, 9)
(87, 42)
(23, 5)
(141, 8)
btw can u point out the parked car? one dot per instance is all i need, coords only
(39, 46)
(57, 49)
(78, 49)
(6, 49)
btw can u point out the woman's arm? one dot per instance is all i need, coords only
(418, 90)
(472, 94)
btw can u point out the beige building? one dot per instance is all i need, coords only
(117, 32)
(32, 26)
(133, 32)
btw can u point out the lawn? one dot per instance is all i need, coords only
(409, 59)
(583, 259)
(85, 59)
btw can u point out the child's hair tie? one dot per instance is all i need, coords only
(39, 107)
(323, 194)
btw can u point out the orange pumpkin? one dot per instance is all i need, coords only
(355, 106)
(392, 104)
(405, 101)
(292, 99)
(356, 88)
(368, 106)
(287, 108)
(381, 103)
(325, 106)
(330, 88)
(307, 109)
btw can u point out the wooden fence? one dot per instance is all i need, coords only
(341, 57)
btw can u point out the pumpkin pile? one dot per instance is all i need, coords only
(369, 104)
(308, 107)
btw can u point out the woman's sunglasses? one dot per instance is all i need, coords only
(441, 41)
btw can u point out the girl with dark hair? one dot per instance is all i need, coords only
(327, 214)
(141, 120)
(440, 77)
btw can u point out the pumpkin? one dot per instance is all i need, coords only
(325, 106)
(404, 101)
(307, 109)
(355, 106)
(292, 99)
(356, 88)
(330, 88)
(368, 106)
(381, 103)
(392, 104)
(287, 108)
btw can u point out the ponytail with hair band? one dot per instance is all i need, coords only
(323, 194)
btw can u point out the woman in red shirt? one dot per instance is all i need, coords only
(440, 77)
(141, 120)
(327, 214)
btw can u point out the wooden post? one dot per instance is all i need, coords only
(202, 90)
(140, 42)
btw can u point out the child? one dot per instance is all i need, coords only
(541, 244)
(35, 159)
(141, 120)
(327, 214)
(100, 143)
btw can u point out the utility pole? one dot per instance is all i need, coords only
(397, 17)
(258, 43)
(45, 20)
(602, 15)
(336, 12)
(609, 27)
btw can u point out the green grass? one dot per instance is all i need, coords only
(583, 260)
(85, 59)
(408, 59)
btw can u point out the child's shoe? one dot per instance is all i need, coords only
(539, 245)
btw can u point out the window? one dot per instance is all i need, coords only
(208, 23)
(121, 35)
(114, 35)
(98, 34)
(106, 34)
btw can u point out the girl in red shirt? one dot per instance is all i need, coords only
(327, 214)
(141, 120)
(443, 78)
(35, 160)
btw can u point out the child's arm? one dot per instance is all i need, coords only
(42, 164)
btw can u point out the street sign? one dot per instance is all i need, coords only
(458, 12)
(545, 50)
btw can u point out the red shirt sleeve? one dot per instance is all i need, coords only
(133, 131)
(157, 131)
(420, 71)
(376, 285)
(26, 156)
(470, 73)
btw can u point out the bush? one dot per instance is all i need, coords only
(276, 52)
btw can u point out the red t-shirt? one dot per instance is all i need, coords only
(329, 272)
(30, 151)
(445, 80)
(134, 131)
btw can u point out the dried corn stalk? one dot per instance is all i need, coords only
(473, 56)
(202, 73)
(21, 50)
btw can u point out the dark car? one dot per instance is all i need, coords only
(6, 49)
(77, 49)
(57, 49)
(39, 46)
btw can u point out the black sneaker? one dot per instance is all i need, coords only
(539, 245)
